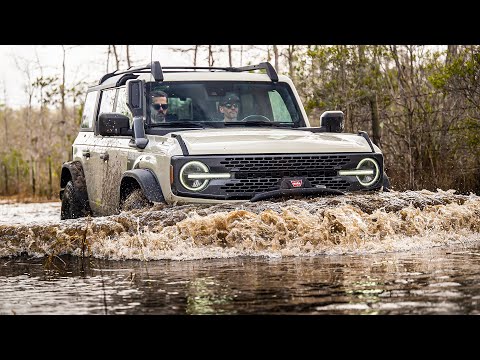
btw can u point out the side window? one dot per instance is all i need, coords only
(88, 110)
(107, 100)
(279, 109)
(121, 106)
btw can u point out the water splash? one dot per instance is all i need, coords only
(355, 223)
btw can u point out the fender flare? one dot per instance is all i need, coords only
(147, 181)
(73, 170)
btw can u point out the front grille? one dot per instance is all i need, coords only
(291, 163)
(254, 174)
(253, 182)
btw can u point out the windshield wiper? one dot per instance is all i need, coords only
(178, 125)
(259, 123)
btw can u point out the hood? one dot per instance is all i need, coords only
(270, 141)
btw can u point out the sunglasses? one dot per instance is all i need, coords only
(229, 106)
(158, 106)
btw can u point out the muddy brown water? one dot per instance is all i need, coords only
(384, 253)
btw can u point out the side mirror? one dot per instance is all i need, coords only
(136, 102)
(332, 121)
(135, 96)
(113, 124)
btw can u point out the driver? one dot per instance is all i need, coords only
(228, 106)
(159, 108)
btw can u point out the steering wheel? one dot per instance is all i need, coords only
(255, 116)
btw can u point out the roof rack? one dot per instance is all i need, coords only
(272, 74)
(157, 71)
(153, 67)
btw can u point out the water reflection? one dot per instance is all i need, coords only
(431, 282)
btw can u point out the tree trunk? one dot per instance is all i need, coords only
(230, 55)
(34, 189)
(18, 179)
(276, 56)
(63, 121)
(451, 53)
(195, 53)
(291, 61)
(108, 57)
(50, 183)
(211, 61)
(117, 60)
(5, 115)
(376, 129)
(128, 55)
(5, 172)
(62, 87)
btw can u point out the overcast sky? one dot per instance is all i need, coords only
(83, 62)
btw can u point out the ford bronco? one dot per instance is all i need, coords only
(123, 159)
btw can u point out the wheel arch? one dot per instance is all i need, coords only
(144, 179)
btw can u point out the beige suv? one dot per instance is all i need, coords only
(226, 134)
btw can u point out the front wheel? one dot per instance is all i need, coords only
(72, 205)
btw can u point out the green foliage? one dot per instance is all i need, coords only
(469, 134)
(460, 73)
(428, 105)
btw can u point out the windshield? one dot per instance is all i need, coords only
(208, 103)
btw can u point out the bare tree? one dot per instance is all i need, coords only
(230, 55)
(195, 49)
(211, 60)
(62, 85)
(24, 66)
(290, 55)
(452, 51)
(5, 113)
(108, 57)
(117, 59)
(128, 56)
(276, 57)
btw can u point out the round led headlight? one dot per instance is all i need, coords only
(193, 183)
(373, 170)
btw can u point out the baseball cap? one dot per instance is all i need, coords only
(232, 98)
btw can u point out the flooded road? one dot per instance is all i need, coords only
(428, 282)
(386, 253)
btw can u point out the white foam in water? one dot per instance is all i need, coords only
(352, 224)
(24, 213)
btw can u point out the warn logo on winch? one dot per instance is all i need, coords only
(296, 183)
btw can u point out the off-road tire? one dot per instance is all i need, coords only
(136, 200)
(72, 207)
